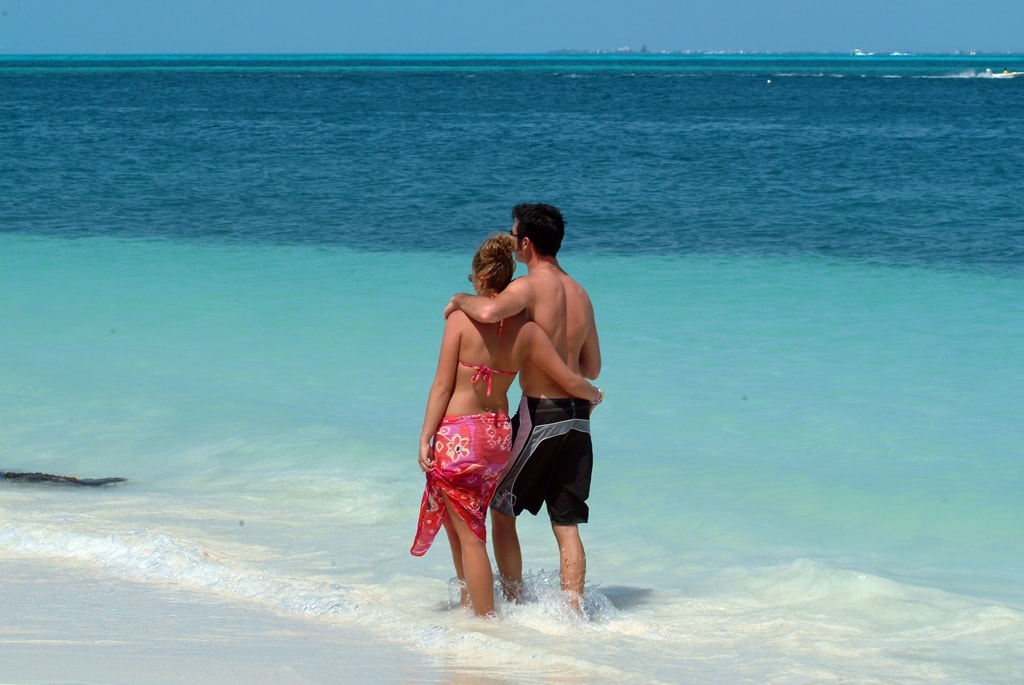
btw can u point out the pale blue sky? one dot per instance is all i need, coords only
(510, 26)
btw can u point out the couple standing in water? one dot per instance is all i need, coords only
(540, 326)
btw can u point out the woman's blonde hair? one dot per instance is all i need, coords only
(494, 263)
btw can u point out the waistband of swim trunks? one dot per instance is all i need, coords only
(566, 407)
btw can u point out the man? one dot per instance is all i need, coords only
(552, 457)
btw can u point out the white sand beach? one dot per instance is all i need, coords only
(65, 626)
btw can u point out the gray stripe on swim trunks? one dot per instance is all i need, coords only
(504, 499)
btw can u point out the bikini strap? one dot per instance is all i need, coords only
(486, 373)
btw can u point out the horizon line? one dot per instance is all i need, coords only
(549, 53)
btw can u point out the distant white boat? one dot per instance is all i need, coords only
(1005, 73)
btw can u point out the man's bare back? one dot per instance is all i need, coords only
(562, 308)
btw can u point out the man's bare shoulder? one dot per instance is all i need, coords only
(522, 290)
(528, 287)
(573, 287)
(549, 275)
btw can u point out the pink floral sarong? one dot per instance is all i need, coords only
(469, 455)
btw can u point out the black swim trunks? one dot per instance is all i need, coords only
(551, 463)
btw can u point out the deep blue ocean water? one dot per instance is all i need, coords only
(887, 159)
(223, 277)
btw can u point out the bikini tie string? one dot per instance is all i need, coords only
(483, 372)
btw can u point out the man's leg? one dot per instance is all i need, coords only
(508, 555)
(572, 562)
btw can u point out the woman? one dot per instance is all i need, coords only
(466, 434)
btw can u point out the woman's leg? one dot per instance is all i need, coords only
(456, 545)
(475, 563)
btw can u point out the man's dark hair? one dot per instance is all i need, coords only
(542, 224)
